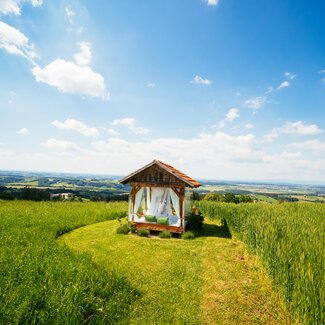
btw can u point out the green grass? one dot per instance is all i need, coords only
(265, 198)
(289, 239)
(208, 280)
(42, 282)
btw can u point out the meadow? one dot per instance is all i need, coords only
(50, 274)
(289, 239)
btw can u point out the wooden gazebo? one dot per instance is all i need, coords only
(157, 197)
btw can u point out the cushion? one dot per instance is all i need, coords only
(150, 218)
(162, 220)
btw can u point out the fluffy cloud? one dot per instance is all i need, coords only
(290, 75)
(23, 131)
(74, 77)
(249, 126)
(298, 128)
(15, 42)
(84, 56)
(199, 80)
(69, 77)
(62, 146)
(255, 102)
(14, 6)
(212, 2)
(232, 114)
(207, 147)
(74, 125)
(310, 145)
(130, 123)
(284, 84)
(111, 131)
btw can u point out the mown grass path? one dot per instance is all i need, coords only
(210, 280)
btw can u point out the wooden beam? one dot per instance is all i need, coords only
(157, 227)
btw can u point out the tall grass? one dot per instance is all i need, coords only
(290, 240)
(42, 282)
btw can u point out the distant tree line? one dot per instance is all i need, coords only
(36, 194)
(228, 197)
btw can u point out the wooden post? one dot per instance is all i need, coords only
(134, 191)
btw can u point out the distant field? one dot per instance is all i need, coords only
(264, 198)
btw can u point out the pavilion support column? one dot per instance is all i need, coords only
(134, 191)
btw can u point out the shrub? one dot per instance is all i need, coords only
(123, 229)
(165, 234)
(143, 232)
(131, 227)
(230, 198)
(188, 235)
(194, 220)
(213, 197)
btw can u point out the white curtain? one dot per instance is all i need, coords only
(175, 200)
(138, 198)
(160, 202)
(156, 196)
(148, 198)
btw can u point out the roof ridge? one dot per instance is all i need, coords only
(169, 168)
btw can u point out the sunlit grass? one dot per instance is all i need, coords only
(208, 280)
(289, 239)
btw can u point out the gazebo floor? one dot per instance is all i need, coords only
(157, 227)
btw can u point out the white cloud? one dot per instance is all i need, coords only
(151, 84)
(284, 84)
(199, 80)
(255, 102)
(69, 77)
(14, 6)
(23, 131)
(321, 71)
(315, 145)
(130, 123)
(290, 75)
(58, 145)
(70, 15)
(112, 132)
(219, 146)
(249, 126)
(232, 114)
(15, 42)
(127, 121)
(78, 126)
(74, 78)
(298, 128)
(212, 2)
(84, 56)
(291, 155)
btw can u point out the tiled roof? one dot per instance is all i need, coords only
(180, 175)
(170, 169)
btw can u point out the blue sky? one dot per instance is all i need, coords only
(222, 89)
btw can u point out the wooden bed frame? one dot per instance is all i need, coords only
(157, 227)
